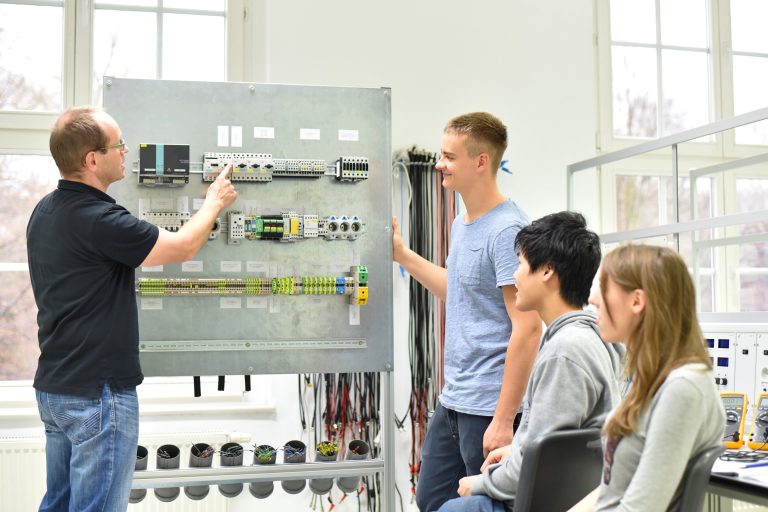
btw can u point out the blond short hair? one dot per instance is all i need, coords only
(485, 134)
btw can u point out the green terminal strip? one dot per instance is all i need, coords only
(352, 286)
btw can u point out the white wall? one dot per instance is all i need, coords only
(529, 62)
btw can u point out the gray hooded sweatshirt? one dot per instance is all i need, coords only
(574, 384)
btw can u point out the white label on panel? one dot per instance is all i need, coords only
(256, 302)
(354, 314)
(156, 268)
(197, 203)
(182, 204)
(192, 266)
(153, 303)
(237, 136)
(230, 303)
(162, 203)
(274, 270)
(349, 135)
(263, 132)
(223, 139)
(309, 133)
(260, 268)
(231, 266)
(274, 305)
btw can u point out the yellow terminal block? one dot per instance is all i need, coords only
(360, 297)
(295, 227)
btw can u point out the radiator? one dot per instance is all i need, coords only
(22, 472)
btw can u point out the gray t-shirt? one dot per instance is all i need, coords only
(642, 471)
(574, 384)
(477, 327)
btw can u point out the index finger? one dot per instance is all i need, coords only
(226, 173)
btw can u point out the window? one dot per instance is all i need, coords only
(151, 39)
(749, 41)
(31, 67)
(660, 57)
(24, 179)
(671, 65)
(53, 67)
(666, 66)
(646, 200)
(752, 195)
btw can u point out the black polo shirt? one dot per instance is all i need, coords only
(82, 249)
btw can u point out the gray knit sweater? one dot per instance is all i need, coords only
(643, 470)
(574, 384)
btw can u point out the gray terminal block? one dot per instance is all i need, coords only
(236, 222)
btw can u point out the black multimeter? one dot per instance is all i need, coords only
(735, 405)
(758, 436)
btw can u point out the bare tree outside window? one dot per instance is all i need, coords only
(24, 180)
(752, 195)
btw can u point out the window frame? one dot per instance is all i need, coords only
(702, 154)
(721, 90)
(27, 132)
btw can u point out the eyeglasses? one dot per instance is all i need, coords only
(120, 145)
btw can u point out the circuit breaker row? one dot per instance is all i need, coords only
(291, 226)
(285, 227)
(263, 167)
(169, 164)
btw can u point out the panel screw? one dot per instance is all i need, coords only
(108, 83)
(252, 88)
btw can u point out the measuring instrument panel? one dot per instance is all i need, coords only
(758, 436)
(735, 405)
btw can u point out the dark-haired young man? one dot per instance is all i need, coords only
(575, 379)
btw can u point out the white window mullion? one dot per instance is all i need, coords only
(83, 58)
(659, 81)
(159, 70)
(725, 71)
(69, 52)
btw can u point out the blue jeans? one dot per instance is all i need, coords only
(473, 504)
(452, 450)
(90, 449)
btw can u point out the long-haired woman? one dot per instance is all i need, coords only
(671, 410)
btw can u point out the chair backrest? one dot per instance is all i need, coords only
(558, 470)
(695, 480)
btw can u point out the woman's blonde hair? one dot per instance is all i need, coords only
(668, 335)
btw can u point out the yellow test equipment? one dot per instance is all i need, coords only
(735, 405)
(758, 436)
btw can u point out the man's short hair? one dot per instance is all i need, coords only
(485, 134)
(75, 133)
(563, 241)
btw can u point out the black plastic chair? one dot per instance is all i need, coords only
(558, 470)
(695, 480)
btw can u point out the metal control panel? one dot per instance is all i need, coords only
(297, 274)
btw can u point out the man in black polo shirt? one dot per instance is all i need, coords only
(82, 249)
